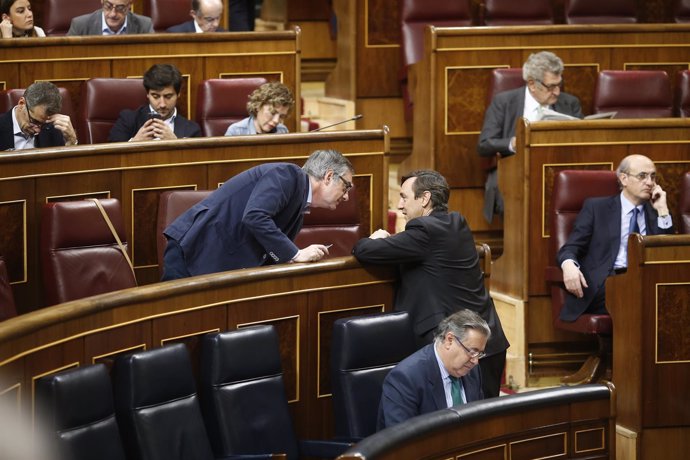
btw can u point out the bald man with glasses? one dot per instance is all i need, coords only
(206, 16)
(36, 120)
(114, 18)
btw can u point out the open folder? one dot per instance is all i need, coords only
(551, 115)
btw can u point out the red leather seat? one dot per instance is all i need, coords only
(682, 106)
(570, 189)
(167, 13)
(10, 97)
(79, 254)
(57, 14)
(634, 93)
(102, 100)
(222, 102)
(684, 204)
(7, 306)
(682, 11)
(600, 12)
(510, 12)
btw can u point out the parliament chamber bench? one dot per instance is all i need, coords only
(136, 173)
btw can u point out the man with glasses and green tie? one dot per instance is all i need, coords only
(115, 18)
(598, 244)
(36, 120)
(206, 15)
(440, 375)
(543, 88)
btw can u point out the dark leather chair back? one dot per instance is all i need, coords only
(9, 98)
(510, 12)
(682, 105)
(167, 13)
(245, 405)
(102, 100)
(600, 12)
(77, 405)
(364, 349)
(157, 406)
(684, 205)
(57, 14)
(170, 205)
(79, 254)
(7, 307)
(570, 189)
(682, 11)
(222, 102)
(340, 227)
(634, 93)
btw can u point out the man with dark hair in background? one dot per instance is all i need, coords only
(159, 118)
(439, 267)
(36, 120)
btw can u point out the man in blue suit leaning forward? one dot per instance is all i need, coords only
(253, 218)
(440, 375)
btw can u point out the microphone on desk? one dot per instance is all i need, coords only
(356, 117)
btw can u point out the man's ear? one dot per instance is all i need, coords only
(426, 198)
(328, 177)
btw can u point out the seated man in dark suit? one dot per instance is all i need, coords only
(36, 120)
(205, 15)
(598, 245)
(440, 375)
(159, 118)
(542, 73)
(115, 18)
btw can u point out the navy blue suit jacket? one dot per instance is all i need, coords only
(414, 387)
(48, 137)
(249, 221)
(593, 243)
(130, 121)
(187, 27)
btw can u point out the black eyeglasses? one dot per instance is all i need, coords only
(643, 176)
(122, 9)
(32, 120)
(552, 87)
(471, 353)
(348, 184)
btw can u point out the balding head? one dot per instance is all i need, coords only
(636, 177)
(207, 14)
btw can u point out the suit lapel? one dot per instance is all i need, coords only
(434, 379)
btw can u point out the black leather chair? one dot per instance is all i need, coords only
(244, 400)
(77, 405)
(157, 406)
(364, 349)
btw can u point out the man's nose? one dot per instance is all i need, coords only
(401, 204)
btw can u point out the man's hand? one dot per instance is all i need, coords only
(311, 253)
(658, 200)
(145, 133)
(512, 144)
(64, 124)
(380, 233)
(162, 130)
(573, 278)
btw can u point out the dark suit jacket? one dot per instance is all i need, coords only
(48, 137)
(439, 272)
(90, 24)
(130, 121)
(249, 221)
(186, 27)
(414, 387)
(596, 251)
(503, 112)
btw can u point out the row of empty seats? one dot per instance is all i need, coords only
(220, 102)
(151, 410)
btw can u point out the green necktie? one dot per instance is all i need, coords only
(455, 390)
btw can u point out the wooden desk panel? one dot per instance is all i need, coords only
(136, 173)
(68, 61)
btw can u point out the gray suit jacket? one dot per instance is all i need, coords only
(90, 24)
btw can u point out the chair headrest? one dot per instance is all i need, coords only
(69, 224)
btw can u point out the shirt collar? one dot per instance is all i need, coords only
(16, 129)
(531, 104)
(107, 31)
(444, 373)
(306, 209)
(197, 29)
(626, 205)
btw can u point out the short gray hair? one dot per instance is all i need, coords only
(537, 64)
(459, 323)
(44, 93)
(320, 161)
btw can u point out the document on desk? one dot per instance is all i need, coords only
(552, 115)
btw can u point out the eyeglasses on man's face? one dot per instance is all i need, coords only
(348, 184)
(473, 354)
(32, 120)
(552, 87)
(643, 176)
(122, 9)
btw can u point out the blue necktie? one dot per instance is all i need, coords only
(455, 391)
(634, 228)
